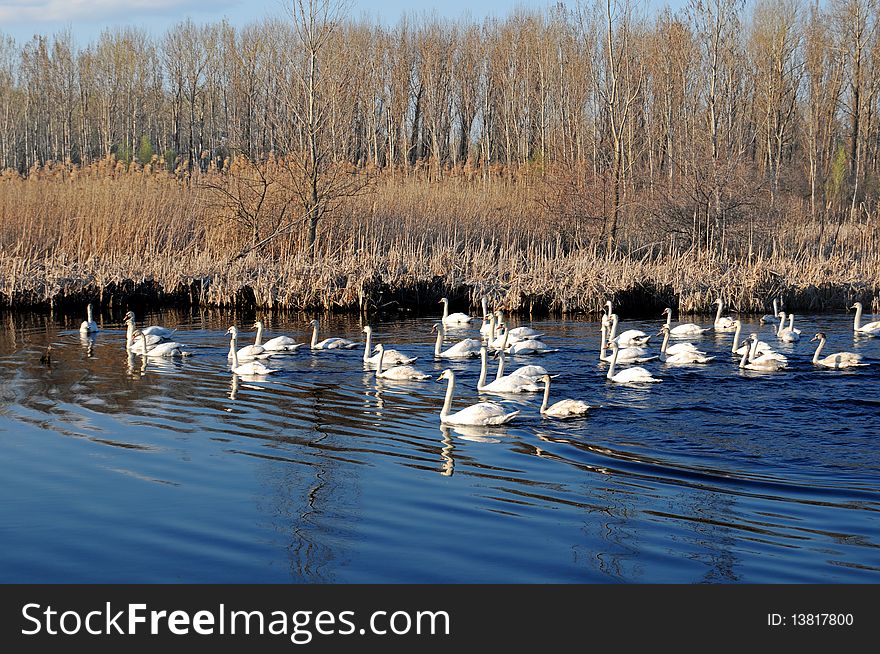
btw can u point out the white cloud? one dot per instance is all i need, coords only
(47, 11)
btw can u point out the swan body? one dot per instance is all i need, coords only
(563, 408)
(248, 368)
(525, 332)
(629, 338)
(634, 354)
(329, 343)
(530, 346)
(152, 330)
(454, 319)
(767, 319)
(277, 344)
(684, 329)
(634, 375)
(391, 356)
(469, 347)
(158, 351)
(763, 363)
(88, 326)
(134, 345)
(506, 384)
(683, 357)
(838, 359)
(723, 323)
(482, 413)
(870, 329)
(531, 372)
(400, 373)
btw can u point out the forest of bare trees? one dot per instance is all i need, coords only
(698, 129)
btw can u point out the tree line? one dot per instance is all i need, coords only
(702, 118)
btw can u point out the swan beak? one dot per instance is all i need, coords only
(439, 379)
(376, 349)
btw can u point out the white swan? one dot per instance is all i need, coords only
(391, 356)
(133, 344)
(88, 326)
(399, 373)
(469, 347)
(329, 343)
(487, 329)
(870, 329)
(767, 319)
(762, 363)
(152, 330)
(634, 375)
(530, 346)
(248, 368)
(482, 413)
(248, 352)
(158, 351)
(722, 323)
(508, 384)
(277, 344)
(632, 354)
(531, 372)
(838, 359)
(788, 334)
(517, 333)
(685, 329)
(763, 348)
(562, 408)
(629, 338)
(683, 357)
(453, 319)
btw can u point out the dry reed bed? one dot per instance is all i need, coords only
(105, 232)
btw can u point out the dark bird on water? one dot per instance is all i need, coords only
(46, 358)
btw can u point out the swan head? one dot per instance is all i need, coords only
(856, 306)
(367, 329)
(313, 323)
(443, 300)
(545, 379)
(663, 330)
(608, 304)
(753, 336)
(612, 344)
(818, 337)
(258, 324)
(446, 374)
(379, 348)
(438, 327)
(667, 311)
(233, 330)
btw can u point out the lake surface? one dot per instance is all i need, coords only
(181, 472)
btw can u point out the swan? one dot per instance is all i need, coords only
(329, 343)
(482, 413)
(684, 357)
(160, 350)
(634, 375)
(508, 384)
(454, 318)
(767, 319)
(870, 329)
(722, 323)
(152, 330)
(685, 329)
(469, 347)
(487, 328)
(248, 368)
(788, 334)
(629, 338)
(838, 359)
(248, 352)
(531, 372)
(625, 354)
(88, 326)
(562, 408)
(277, 344)
(517, 333)
(391, 356)
(131, 343)
(530, 346)
(763, 347)
(400, 373)
(762, 363)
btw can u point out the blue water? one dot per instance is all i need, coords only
(181, 472)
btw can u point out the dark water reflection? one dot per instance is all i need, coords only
(181, 471)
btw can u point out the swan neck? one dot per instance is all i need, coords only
(614, 321)
(791, 321)
(439, 343)
(718, 313)
(753, 350)
(736, 337)
(546, 396)
(89, 313)
(445, 309)
(665, 341)
(614, 351)
(483, 368)
(368, 344)
(745, 359)
(603, 342)
(775, 307)
(233, 352)
(259, 339)
(858, 320)
(492, 325)
(818, 350)
(447, 403)
(500, 373)
(485, 307)
(381, 360)
(129, 332)
(314, 334)
(669, 318)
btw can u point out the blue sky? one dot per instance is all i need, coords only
(86, 18)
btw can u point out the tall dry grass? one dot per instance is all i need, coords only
(101, 232)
